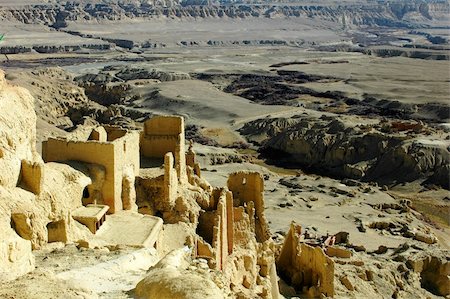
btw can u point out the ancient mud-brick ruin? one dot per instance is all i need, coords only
(305, 267)
(112, 158)
(106, 205)
(105, 185)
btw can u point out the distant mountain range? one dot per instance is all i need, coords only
(347, 14)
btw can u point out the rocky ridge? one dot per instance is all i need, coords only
(347, 19)
(389, 152)
(396, 14)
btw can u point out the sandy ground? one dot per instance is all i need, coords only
(173, 31)
(202, 103)
(19, 34)
(68, 272)
(107, 278)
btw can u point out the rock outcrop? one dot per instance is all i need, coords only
(382, 153)
(33, 196)
(434, 271)
(112, 85)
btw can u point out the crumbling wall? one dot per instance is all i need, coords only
(118, 154)
(249, 187)
(250, 267)
(178, 202)
(242, 262)
(435, 276)
(190, 156)
(92, 152)
(163, 134)
(224, 234)
(127, 164)
(304, 267)
(128, 189)
(158, 189)
(230, 220)
(127, 144)
(131, 154)
(434, 271)
(149, 191)
(31, 176)
(191, 160)
(215, 227)
(170, 180)
(99, 134)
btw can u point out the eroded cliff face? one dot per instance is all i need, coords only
(387, 153)
(15, 145)
(396, 14)
(17, 134)
(32, 195)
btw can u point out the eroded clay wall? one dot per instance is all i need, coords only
(114, 133)
(127, 163)
(249, 187)
(161, 135)
(54, 150)
(164, 134)
(314, 261)
(170, 180)
(127, 147)
(129, 144)
(149, 191)
(164, 125)
(180, 158)
(230, 221)
(31, 176)
(304, 267)
(223, 237)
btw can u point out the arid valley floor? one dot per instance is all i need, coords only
(244, 150)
